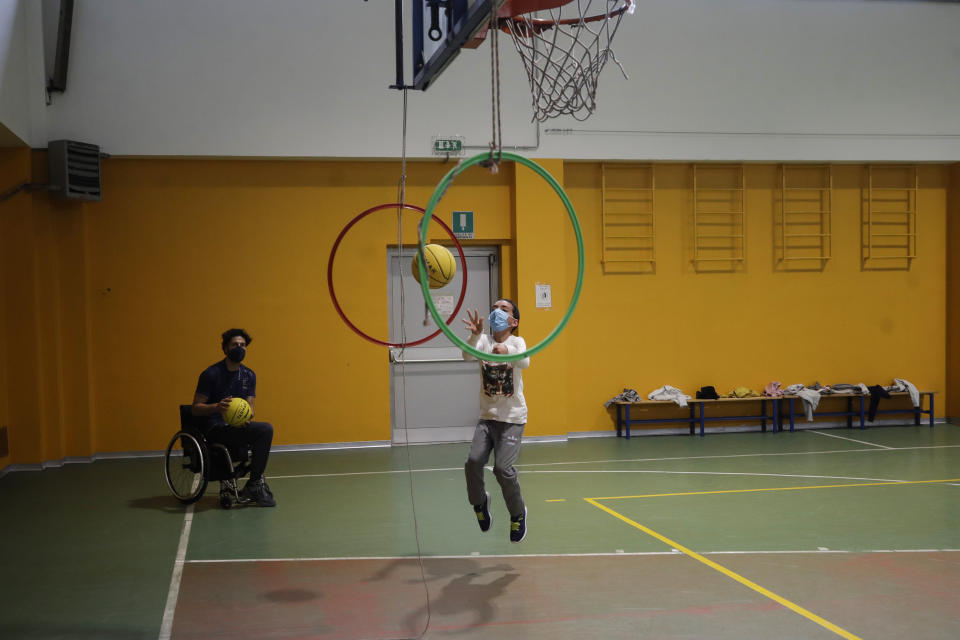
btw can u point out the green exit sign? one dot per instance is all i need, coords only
(450, 145)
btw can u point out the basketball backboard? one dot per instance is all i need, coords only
(440, 29)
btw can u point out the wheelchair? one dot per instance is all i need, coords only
(192, 462)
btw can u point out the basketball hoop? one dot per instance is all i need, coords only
(564, 46)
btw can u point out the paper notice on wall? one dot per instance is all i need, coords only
(544, 296)
(444, 305)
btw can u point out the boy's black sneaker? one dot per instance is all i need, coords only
(518, 527)
(483, 513)
(259, 492)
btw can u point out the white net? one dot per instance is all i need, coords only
(564, 50)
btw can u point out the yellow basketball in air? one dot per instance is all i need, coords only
(441, 266)
(237, 413)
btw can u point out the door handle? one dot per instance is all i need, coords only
(394, 360)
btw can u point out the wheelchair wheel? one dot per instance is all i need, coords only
(185, 467)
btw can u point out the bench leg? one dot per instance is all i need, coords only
(863, 424)
(849, 412)
(693, 420)
(701, 418)
(930, 396)
(626, 422)
(763, 420)
(791, 414)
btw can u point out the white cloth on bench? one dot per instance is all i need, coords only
(904, 385)
(666, 392)
(810, 398)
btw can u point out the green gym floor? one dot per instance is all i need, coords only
(814, 534)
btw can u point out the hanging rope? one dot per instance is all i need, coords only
(401, 200)
(496, 142)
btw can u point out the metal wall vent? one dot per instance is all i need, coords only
(74, 169)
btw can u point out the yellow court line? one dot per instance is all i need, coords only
(557, 500)
(823, 486)
(727, 572)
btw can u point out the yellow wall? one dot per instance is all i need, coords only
(44, 321)
(953, 296)
(181, 250)
(691, 329)
(18, 396)
(119, 304)
(14, 170)
(544, 255)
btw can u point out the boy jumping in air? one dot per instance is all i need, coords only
(503, 414)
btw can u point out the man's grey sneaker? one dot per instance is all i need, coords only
(259, 492)
(483, 513)
(518, 527)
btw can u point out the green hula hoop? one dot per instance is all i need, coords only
(438, 193)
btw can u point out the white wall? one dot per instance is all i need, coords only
(826, 80)
(14, 103)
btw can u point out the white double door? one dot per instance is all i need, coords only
(434, 393)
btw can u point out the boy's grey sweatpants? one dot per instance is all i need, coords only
(503, 439)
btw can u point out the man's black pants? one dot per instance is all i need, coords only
(256, 435)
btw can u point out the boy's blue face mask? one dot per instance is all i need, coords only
(499, 320)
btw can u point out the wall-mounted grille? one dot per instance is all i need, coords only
(74, 169)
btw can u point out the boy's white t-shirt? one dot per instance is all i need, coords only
(501, 383)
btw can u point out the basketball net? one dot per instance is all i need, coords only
(564, 49)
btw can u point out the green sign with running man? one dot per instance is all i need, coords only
(443, 145)
(448, 145)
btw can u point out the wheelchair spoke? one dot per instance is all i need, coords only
(185, 467)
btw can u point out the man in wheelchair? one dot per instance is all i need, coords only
(219, 383)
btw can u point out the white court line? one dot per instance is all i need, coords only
(721, 473)
(701, 473)
(365, 473)
(820, 433)
(569, 555)
(167, 626)
(737, 455)
(628, 460)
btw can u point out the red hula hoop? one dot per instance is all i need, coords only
(333, 295)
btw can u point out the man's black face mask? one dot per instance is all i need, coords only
(237, 354)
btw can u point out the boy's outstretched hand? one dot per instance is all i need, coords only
(474, 322)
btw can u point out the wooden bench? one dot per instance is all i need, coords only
(792, 401)
(752, 400)
(861, 411)
(698, 413)
(624, 420)
(781, 407)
